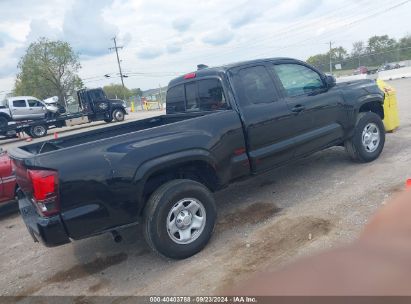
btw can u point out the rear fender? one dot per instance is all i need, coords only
(149, 168)
(5, 115)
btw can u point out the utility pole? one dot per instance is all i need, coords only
(118, 59)
(161, 95)
(331, 63)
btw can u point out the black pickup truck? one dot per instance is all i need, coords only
(222, 124)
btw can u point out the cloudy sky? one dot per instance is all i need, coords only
(162, 38)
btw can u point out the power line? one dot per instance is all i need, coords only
(350, 24)
(293, 30)
(282, 34)
(298, 25)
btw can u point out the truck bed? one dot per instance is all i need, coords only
(103, 133)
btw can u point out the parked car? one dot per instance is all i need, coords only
(8, 185)
(361, 70)
(222, 124)
(388, 67)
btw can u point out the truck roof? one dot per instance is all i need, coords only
(21, 97)
(218, 70)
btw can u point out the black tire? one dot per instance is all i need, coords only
(3, 123)
(27, 131)
(355, 147)
(118, 115)
(38, 131)
(157, 214)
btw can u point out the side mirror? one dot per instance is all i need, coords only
(331, 81)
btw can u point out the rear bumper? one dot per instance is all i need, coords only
(50, 231)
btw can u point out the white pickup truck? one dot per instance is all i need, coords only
(21, 108)
(28, 108)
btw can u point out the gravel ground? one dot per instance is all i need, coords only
(264, 222)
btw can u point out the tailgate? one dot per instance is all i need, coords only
(39, 204)
(39, 185)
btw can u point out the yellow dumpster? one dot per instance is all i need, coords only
(391, 119)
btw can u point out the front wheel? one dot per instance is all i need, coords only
(368, 140)
(118, 115)
(179, 218)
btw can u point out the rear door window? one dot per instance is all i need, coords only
(211, 95)
(19, 103)
(34, 103)
(200, 95)
(255, 85)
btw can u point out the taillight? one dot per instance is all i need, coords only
(45, 191)
(190, 76)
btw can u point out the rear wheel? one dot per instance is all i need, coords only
(118, 115)
(179, 218)
(368, 140)
(3, 123)
(38, 131)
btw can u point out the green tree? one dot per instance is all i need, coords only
(117, 91)
(338, 54)
(358, 49)
(357, 54)
(404, 47)
(320, 61)
(381, 49)
(49, 68)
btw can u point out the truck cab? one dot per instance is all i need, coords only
(98, 106)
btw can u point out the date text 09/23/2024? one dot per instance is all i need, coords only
(204, 299)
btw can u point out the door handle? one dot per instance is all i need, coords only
(298, 108)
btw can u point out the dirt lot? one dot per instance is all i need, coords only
(264, 222)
